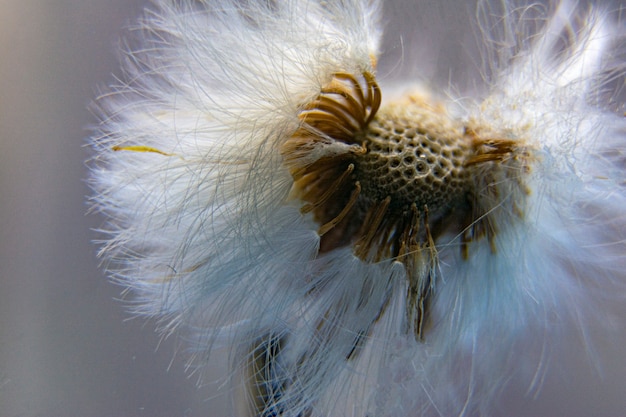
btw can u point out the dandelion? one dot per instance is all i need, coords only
(363, 253)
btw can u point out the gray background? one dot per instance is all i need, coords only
(66, 348)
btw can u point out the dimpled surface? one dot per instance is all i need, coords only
(414, 155)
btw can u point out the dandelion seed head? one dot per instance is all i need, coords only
(360, 253)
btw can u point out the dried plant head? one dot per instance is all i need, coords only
(360, 254)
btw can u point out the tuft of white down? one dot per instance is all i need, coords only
(502, 313)
(201, 230)
(188, 167)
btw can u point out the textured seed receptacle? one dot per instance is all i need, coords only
(391, 180)
(411, 163)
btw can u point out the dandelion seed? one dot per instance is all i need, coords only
(362, 255)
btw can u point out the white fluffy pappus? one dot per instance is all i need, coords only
(364, 255)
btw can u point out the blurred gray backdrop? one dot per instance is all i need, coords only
(66, 346)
